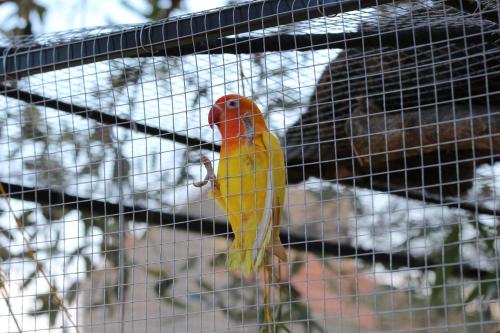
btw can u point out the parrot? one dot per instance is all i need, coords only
(249, 187)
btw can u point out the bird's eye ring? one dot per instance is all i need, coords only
(232, 103)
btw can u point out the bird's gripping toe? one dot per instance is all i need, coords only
(210, 172)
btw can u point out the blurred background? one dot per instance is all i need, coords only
(176, 280)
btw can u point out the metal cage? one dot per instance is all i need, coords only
(388, 115)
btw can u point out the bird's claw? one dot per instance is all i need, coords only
(210, 172)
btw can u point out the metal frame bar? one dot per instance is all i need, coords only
(112, 120)
(104, 118)
(209, 226)
(401, 38)
(243, 45)
(172, 34)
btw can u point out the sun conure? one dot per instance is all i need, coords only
(249, 186)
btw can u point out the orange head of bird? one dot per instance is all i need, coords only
(232, 113)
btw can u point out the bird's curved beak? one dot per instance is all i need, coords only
(214, 115)
(211, 118)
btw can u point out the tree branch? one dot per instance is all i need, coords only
(103, 118)
(477, 7)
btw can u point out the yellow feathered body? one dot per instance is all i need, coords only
(251, 189)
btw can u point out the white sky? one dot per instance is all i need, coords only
(92, 13)
(66, 14)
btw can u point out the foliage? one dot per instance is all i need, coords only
(26, 12)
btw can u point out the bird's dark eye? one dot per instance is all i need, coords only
(232, 103)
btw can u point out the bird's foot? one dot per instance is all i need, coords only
(210, 172)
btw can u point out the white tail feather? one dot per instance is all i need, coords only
(264, 228)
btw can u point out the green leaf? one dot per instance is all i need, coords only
(487, 289)
(76, 253)
(40, 10)
(28, 280)
(162, 287)
(488, 236)
(71, 292)
(52, 213)
(298, 310)
(55, 248)
(219, 260)
(190, 263)
(124, 164)
(25, 218)
(88, 264)
(450, 255)
(296, 266)
(7, 234)
(129, 6)
(47, 305)
(5, 254)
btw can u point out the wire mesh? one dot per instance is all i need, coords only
(388, 118)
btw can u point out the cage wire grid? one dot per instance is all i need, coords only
(387, 113)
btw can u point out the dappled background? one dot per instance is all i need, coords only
(388, 117)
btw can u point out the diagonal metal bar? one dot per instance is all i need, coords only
(201, 144)
(104, 118)
(171, 34)
(210, 226)
(415, 194)
(296, 174)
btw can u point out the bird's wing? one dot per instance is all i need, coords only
(268, 226)
(264, 226)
